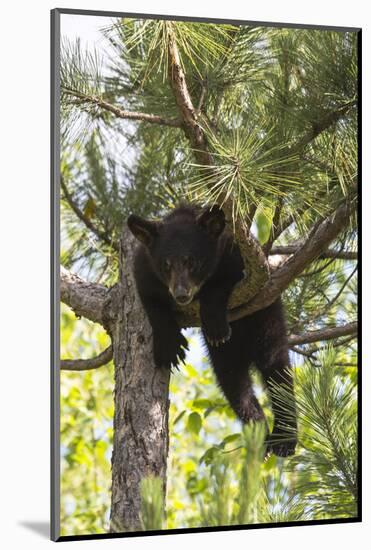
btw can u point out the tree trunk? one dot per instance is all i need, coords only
(141, 438)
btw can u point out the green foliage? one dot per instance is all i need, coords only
(194, 423)
(247, 169)
(217, 474)
(142, 45)
(327, 467)
(86, 431)
(261, 91)
(152, 503)
(235, 486)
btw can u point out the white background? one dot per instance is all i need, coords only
(24, 272)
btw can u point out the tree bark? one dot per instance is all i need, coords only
(85, 299)
(141, 397)
(118, 112)
(328, 333)
(88, 364)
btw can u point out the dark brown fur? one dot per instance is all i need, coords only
(190, 255)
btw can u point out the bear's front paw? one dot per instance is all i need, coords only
(281, 443)
(216, 335)
(168, 353)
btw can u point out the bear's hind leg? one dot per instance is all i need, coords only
(234, 380)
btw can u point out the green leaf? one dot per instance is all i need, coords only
(194, 423)
(201, 403)
(210, 455)
(231, 438)
(263, 225)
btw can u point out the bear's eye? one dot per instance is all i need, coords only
(190, 262)
(167, 265)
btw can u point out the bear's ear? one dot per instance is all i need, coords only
(213, 220)
(144, 230)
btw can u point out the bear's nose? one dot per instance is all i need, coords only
(182, 295)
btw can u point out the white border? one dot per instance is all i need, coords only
(24, 219)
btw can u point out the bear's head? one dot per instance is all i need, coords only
(184, 248)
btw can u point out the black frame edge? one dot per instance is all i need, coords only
(67, 538)
(54, 282)
(359, 295)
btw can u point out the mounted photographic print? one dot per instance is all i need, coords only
(204, 274)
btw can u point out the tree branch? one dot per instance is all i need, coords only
(88, 364)
(256, 265)
(318, 240)
(185, 105)
(287, 250)
(97, 303)
(202, 97)
(85, 299)
(307, 354)
(320, 126)
(257, 268)
(321, 312)
(316, 129)
(121, 113)
(313, 359)
(286, 221)
(329, 333)
(102, 235)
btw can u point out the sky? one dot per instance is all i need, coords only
(86, 27)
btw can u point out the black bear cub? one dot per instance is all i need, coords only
(190, 255)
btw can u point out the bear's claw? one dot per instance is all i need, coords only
(169, 354)
(219, 341)
(284, 447)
